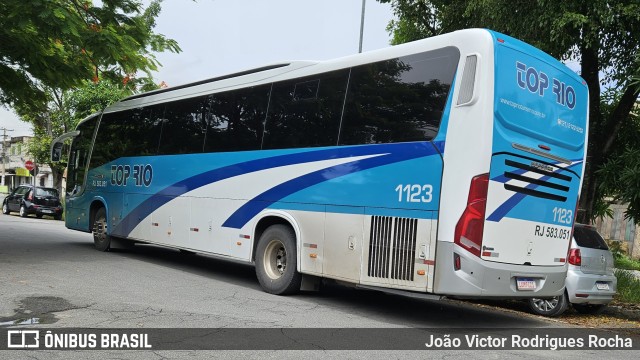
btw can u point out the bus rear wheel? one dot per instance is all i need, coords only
(276, 261)
(101, 240)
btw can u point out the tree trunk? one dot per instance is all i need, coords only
(57, 178)
(589, 72)
(588, 196)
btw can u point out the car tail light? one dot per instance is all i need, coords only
(470, 226)
(574, 257)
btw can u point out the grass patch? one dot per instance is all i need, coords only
(628, 287)
(621, 259)
(624, 262)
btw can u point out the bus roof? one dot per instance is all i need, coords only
(293, 69)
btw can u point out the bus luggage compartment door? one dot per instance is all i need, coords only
(398, 251)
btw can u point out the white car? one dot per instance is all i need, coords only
(591, 282)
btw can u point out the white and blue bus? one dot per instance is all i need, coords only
(450, 165)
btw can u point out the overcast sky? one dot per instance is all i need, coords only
(218, 37)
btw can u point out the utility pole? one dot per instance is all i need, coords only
(362, 25)
(4, 149)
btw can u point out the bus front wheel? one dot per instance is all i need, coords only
(101, 240)
(276, 261)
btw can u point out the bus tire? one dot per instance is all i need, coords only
(549, 307)
(276, 261)
(101, 240)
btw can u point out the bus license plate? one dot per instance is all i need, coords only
(525, 284)
(602, 286)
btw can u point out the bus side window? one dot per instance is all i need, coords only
(306, 112)
(184, 126)
(235, 120)
(398, 100)
(134, 132)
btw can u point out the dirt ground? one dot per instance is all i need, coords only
(622, 316)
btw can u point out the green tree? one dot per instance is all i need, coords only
(604, 36)
(57, 44)
(49, 48)
(619, 177)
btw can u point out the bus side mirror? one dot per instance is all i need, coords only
(57, 145)
(56, 152)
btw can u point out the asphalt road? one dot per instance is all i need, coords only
(54, 275)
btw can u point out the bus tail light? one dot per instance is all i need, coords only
(575, 219)
(470, 227)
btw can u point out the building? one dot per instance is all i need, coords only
(13, 163)
(620, 229)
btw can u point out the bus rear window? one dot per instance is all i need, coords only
(46, 192)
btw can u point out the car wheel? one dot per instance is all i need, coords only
(549, 306)
(588, 308)
(276, 261)
(39, 216)
(23, 211)
(5, 208)
(57, 217)
(101, 240)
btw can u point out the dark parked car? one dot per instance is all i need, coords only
(27, 199)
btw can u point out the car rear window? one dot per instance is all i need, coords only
(46, 192)
(589, 238)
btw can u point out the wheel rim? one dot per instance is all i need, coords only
(545, 305)
(275, 259)
(100, 229)
(4, 208)
(22, 211)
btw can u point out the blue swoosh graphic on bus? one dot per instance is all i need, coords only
(514, 200)
(400, 152)
(504, 179)
(246, 212)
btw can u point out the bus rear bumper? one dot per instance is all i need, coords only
(478, 278)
